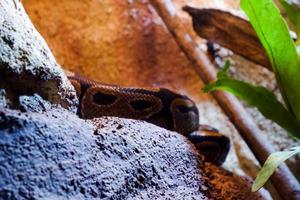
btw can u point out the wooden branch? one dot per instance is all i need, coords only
(229, 31)
(285, 183)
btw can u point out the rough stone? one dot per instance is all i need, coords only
(26, 64)
(3, 99)
(33, 103)
(56, 155)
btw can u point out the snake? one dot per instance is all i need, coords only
(159, 106)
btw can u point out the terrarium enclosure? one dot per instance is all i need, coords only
(117, 99)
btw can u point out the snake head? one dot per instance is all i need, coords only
(185, 115)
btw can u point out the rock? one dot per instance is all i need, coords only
(56, 155)
(33, 103)
(3, 99)
(26, 64)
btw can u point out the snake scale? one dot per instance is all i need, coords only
(158, 106)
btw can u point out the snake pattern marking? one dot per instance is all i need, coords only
(158, 106)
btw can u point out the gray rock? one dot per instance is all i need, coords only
(3, 99)
(27, 66)
(56, 155)
(33, 103)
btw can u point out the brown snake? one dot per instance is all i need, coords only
(158, 106)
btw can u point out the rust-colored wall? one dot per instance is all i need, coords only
(120, 42)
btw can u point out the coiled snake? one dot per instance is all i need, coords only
(158, 106)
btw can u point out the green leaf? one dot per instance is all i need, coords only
(223, 72)
(273, 161)
(298, 46)
(261, 98)
(274, 35)
(293, 14)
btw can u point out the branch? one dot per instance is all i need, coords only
(229, 31)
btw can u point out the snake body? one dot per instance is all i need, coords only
(158, 106)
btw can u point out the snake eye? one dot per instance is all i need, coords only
(104, 99)
(141, 104)
(183, 109)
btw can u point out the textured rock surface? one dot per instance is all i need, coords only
(55, 155)
(26, 64)
(3, 98)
